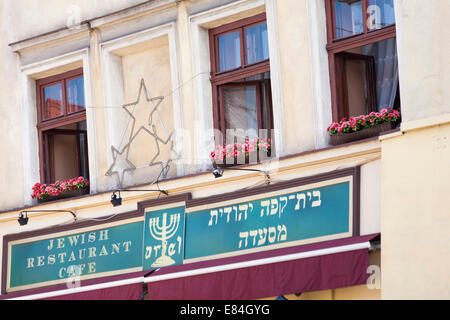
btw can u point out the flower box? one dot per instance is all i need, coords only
(363, 127)
(60, 190)
(250, 158)
(64, 195)
(251, 152)
(340, 138)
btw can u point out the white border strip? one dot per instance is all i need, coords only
(80, 289)
(30, 148)
(246, 264)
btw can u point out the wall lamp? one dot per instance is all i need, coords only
(116, 200)
(218, 172)
(23, 219)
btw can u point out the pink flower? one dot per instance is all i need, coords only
(360, 122)
(42, 190)
(234, 150)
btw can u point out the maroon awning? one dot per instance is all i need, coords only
(320, 266)
(120, 287)
(126, 292)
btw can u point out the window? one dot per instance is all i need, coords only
(357, 17)
(362, 56)
(240, 80)
(61, 127)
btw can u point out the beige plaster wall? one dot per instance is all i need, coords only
(296, 75)
(32, 18)
(11, 169)
(21, 19)
(153, 66)
(35, 19)
(415, 218)
(415, 170)
(424, 63)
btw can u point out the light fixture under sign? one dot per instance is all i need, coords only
(218, 172)
(116, 200)
(23, 219)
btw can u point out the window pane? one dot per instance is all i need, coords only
(386, 70)
(380, 13)
(264, 85)
(256, 43)
(64, 157)
(349, 19)
(357, 98)
(53, 106)
(83, 149)
(229, 51)
(75, 94)
(241, 113)
(83, 155)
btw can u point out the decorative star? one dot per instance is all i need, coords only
(138, 123)
(120, 164)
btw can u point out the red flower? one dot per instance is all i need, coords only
(358, 123)
(43, 190)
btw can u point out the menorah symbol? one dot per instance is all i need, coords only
(164, 233)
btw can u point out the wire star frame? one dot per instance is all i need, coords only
(150, 129)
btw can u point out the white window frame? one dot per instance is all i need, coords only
(28, 76)
(200, 23)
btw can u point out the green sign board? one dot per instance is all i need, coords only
(282, 218)
(176, 230)
(163, 237)
(82, 255)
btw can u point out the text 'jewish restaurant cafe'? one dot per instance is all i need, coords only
(289, 237)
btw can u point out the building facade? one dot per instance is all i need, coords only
(117, 119)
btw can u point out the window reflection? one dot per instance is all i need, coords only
(241, 114)
(229, 51)
(349, 18)
(380, 14)
(257, 44)
(75, 95)
(53, 101)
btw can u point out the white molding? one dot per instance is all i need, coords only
(320, 76)
(33, 69)
(29, 73)
(199, 25)
(99, 286)
(388, 136)
(225, 11)
(43, 39)
(202, 94)
(131, 13)
(275, 77)
(114, 92)
(441, 119)
(67, 32)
